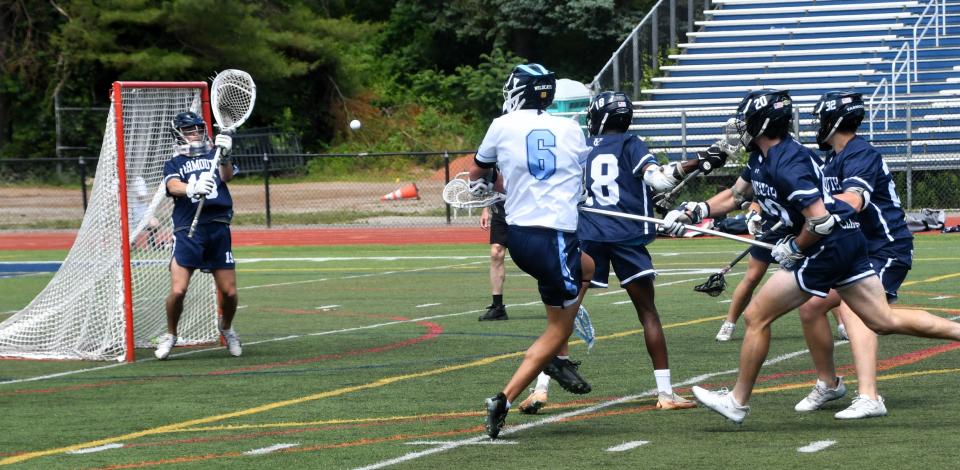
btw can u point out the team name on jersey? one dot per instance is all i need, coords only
(849, 224)
(193, 165)
(832, 184)
(763, 189)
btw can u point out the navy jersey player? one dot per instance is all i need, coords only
(856, 173)
(540, 159)
(188, 177)
(825, 249)
(623, 176)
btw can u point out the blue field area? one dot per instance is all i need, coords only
(20, 268)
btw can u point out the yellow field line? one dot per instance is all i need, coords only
(931, 279)
(901, 375)
(296, 401)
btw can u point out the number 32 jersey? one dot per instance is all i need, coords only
(541, 158)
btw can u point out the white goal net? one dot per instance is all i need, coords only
(83, 312)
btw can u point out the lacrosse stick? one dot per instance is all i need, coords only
(231, 102)
(716, 283)
(457, 193)
(694, 228)
(583, 327)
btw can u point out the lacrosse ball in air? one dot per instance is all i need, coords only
(354, 124)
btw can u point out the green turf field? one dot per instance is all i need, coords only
(373, 355)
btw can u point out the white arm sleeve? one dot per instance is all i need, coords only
(660, 178)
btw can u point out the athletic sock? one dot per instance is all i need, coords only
(663, 380)
(498, 300)
(563, 357)
(543, 382)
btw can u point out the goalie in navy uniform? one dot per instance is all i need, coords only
(825, 248)
(189, 178)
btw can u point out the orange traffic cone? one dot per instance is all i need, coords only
(409, 191)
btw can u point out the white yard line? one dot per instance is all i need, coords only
(427, 305)
(627, 446)
(267, 450)
(481, 443)
(450, 445)
(92, 450)
(815, 446)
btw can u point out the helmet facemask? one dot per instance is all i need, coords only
(190, 134)
(513, 94)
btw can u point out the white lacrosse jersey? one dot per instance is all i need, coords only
(541, 158)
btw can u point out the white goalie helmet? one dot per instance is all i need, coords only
(190, 134)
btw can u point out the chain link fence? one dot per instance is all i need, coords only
(388, 189)
(920, 144)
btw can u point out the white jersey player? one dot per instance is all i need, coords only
(541, 160)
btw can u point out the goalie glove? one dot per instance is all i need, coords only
(225, 142)
(786, 252)
(201, 186)
(711, 159)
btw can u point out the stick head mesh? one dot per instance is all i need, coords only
(457, 193)
(232, 98)
(714, 285)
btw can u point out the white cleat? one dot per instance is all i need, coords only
(821, 395)
(233, 341)
(842, 332)
(166, 343)
(722, 402)
(726, 331)
(863, 407)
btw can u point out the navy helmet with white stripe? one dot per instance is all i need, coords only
(530, 86)
(837, 111)
(763, 113)
(610, 111)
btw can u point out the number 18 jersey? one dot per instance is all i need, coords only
(614, 177)
(541, 158)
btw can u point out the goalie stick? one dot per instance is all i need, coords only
(716, 283)
(694, 228)
(231, 100)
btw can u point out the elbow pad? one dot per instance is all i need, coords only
(738, 198)
(863, 193)
(822, 225)
(661, 178)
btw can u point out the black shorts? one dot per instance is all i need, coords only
(498, 224)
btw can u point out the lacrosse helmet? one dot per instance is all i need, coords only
(190, 133)
(763, 113)
(529, 86)
(837, 111)
(609, 110)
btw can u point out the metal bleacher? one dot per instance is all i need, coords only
(902, 55)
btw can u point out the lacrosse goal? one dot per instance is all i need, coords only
(108, 296)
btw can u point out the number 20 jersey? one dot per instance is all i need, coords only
(541, 158)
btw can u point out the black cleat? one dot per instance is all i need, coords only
(564, 371)
(496, 414)
(494, 312)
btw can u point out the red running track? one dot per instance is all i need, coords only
(63, 240)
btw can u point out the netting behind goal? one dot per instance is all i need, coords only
(82, 313)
